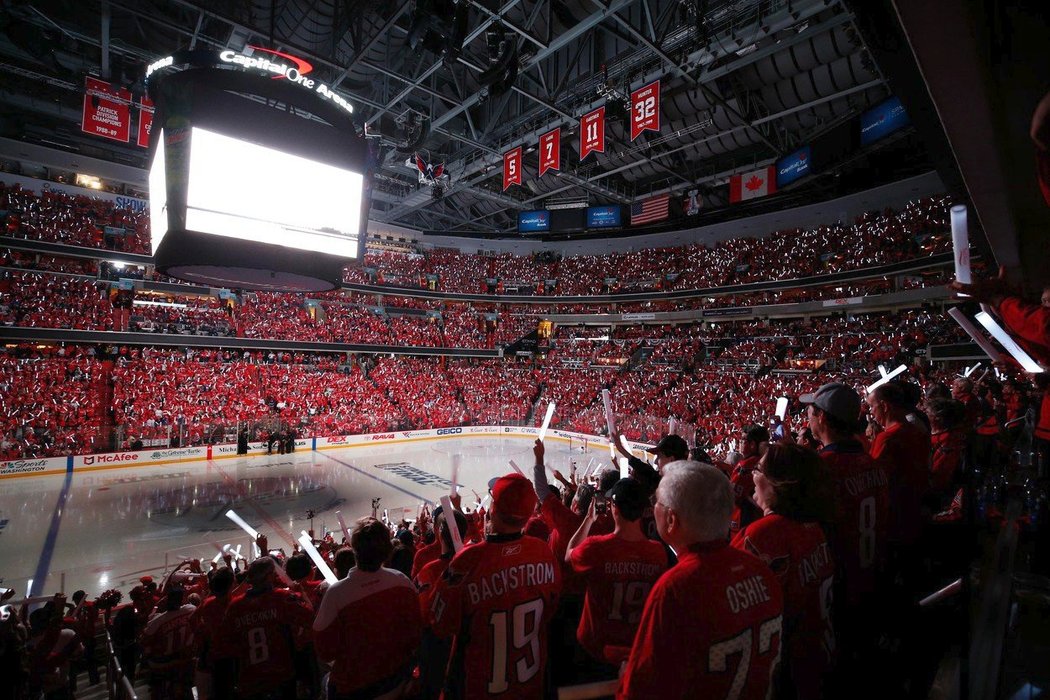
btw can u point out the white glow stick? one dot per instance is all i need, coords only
(623, 441)
(252, 532)
(882, 370)
(961, 244)
(485, 500)
(612, 451)
(997, 331)
(342, 525)
(970, 370)
(671, 425)
(607, 402)
(547, 420)
(971, 330)
(319, 562)
(515, 467)
(782, 407)
(454, 477)
(887, 378)
(450, 523)
(222, 550)
(625, 468)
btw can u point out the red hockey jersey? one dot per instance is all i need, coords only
(711, 628)
(497, 598)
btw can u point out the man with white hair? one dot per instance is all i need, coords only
(712, 624)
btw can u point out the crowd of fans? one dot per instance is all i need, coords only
(194, 397)
(872, 239)
(810, 543)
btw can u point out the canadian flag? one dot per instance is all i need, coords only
(752, 185)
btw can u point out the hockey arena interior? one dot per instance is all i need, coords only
(524, 349)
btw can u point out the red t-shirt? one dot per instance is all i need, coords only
(563, 523)
(711, 628)
(497, 597)
(903, 452)
(257, 631)
(425, 555)
(799, 556)
(618, 575)
(857, 534)
(369, 626)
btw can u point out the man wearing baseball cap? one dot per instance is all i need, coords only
(671, 448)
(497, 598)
(619, 569)
(857, 535)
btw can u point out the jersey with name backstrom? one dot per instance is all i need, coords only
(497, 598)
(710, 629)
(619, 575)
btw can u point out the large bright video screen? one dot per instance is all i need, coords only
(251, 192)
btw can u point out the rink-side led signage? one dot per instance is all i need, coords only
(281, 65)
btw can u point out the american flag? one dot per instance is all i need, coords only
(652, 209)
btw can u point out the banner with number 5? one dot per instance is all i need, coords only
(550, 151)
(592, 132)
(512, 168)
(645, 109)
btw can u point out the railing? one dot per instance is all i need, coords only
(117, 684)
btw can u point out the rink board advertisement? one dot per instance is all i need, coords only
(155, 457)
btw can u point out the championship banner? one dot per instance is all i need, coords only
(645, 109)
(512, 168)
(550, 151)
(145, 121)
(592, 132)
(107, 111)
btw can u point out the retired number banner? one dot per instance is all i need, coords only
(550, 151)
(512, 168)
(592, 132)
(645, 109)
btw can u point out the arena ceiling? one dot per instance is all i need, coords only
(743, 82)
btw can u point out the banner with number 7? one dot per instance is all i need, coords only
(512, 168)
(550, 151)
(645, 109)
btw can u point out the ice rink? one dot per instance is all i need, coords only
(105, 529)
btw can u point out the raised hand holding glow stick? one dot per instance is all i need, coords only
(547, 420)
(1000, 334)
(450, 523)
(971, 330)
(308, 546)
